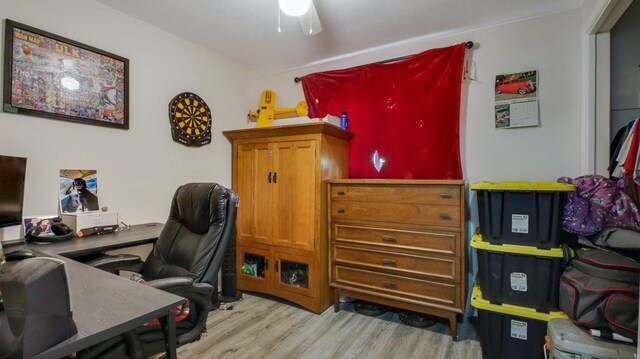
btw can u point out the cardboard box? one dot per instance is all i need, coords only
(91, 220)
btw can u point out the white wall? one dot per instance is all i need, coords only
(138, 169)
(550, 44)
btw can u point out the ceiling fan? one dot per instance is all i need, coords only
(306, 13)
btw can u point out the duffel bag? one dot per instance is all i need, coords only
(600, 290)
(624, 241)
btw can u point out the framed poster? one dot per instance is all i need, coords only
(51, 76)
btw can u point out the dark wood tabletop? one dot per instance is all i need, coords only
(76, 247)
(105, 305)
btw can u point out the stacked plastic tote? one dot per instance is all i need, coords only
(520, 261)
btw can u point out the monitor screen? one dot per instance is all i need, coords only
(12, 173)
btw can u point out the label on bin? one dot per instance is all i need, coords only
(519, 281)
(520, 223)
(518, 329)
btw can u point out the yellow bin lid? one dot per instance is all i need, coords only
(478, 243)
(531, 313)
(523, 186)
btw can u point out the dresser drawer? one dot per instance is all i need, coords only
(398, 286)
(434, 194)
(403, 264)
(396, 239)
(424, 214)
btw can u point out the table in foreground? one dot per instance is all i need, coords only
(105, 305)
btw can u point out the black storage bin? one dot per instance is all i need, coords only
(519, 275)
(524, 213)
(508, 331)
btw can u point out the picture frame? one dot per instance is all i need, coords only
(50, 76)
(78, 190)
(44, 221)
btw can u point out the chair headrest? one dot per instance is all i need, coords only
(199, 205)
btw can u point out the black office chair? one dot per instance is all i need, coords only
(185, 261)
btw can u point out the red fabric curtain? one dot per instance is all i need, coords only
(407, 111)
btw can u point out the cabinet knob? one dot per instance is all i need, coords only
(340, 193)
(388, 284)
(388, 238)
(341, 210)
(269, 178)
(445, 195)
(388, 261)
(445, 217)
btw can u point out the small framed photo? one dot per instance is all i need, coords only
(44, 222)
(78, 191)
(47, 75)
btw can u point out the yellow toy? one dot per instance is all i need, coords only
(268, 112)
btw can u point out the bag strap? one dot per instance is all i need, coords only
(567, 255)
(583, 241)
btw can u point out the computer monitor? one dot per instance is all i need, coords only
(12, 176)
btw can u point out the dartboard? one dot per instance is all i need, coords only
(190, 119)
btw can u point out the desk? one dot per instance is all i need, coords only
(105, 305)
(76, 247)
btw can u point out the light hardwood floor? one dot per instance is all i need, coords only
(266, 327)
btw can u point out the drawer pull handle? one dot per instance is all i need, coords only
(388, 261)
(445, 216)
(445, 195)
(341, 210)
(340, 193)
(388, 238)
(388, 284)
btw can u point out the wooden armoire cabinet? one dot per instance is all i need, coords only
(278, 173)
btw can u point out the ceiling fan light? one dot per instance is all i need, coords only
(294, 7)
(311, 25)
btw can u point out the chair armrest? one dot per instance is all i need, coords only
(182, 286)
(109, 263)
(167, 284)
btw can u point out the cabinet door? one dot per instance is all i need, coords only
(254, 191)
(296, 274)
(294, 194)
(253, 268)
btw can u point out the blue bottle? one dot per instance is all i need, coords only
(343, 120)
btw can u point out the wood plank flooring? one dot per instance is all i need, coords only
(266, 327)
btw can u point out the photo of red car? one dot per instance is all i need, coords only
(521, 87)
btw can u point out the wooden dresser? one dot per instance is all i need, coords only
(278, 173)
(399, 243)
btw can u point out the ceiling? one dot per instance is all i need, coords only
(246, 30)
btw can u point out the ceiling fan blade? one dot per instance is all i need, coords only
(310, 22)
